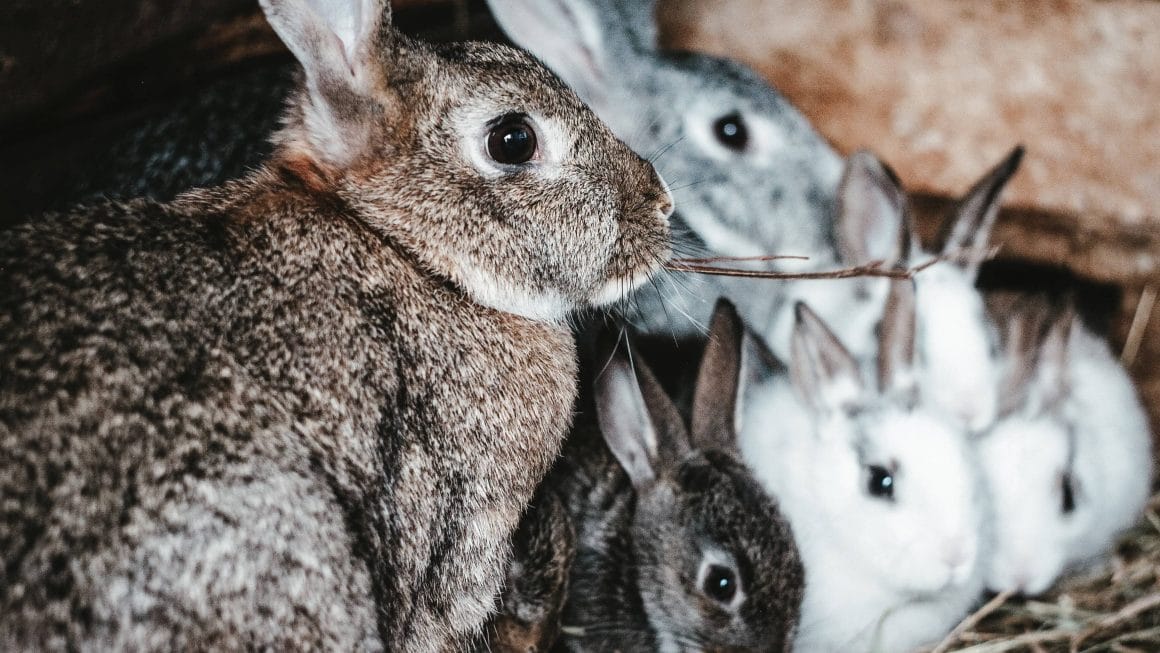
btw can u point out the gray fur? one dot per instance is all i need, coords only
(275, 414)
(635, 582)
(771, 199)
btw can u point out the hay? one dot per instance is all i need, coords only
(1113, 609)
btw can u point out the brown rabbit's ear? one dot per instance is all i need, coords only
(338, 43)
(896, 340)
(823, 371)
(718, 380)
(639, 422)
(873, 218)
(969, 225)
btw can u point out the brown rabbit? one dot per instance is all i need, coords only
(305, 409)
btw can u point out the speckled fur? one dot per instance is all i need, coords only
(634, 585)
(273, 414)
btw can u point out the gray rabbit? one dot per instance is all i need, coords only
(306, 408)
(750, 174)
(678, 546)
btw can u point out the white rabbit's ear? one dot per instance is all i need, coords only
(718, 379)
(896, 341)
(758, 365)
(1034, 331)
(639, 422)
(873, 218)
(970, 224)
(1050, 382)
(824, 372)
(338, 43)
(585, 42)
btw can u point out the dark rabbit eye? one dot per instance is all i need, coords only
(511, 141)
(881, 483)
(1068, 494)
(720, 584)
(731, 132)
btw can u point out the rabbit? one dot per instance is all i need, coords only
(883, 493)
(752, 176)
(678, 547)
(1069, 463)
(544, 547)
(956, 341)
(305, 409)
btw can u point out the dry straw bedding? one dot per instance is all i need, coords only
(1112, 609)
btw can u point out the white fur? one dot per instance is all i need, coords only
(1025, 454)
(879, 575)
(493, 291)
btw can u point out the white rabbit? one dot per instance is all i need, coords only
(883, 494)
(1069, 465)
(955, 340)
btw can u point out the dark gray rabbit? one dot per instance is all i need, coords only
(750, 174)
(678, 547)
(306, 408)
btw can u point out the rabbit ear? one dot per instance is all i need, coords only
(585, 42)
(639, 422)
(1035, 333)
(758, 364)
(971, 222)
(873, 218)
(824, 372)
(338, 43)
(1050, 382)
(896, 340)
(718, 378)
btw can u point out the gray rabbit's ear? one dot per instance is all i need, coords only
(969, 225)
(896, 341)
(873, 218)
(585, 42)
(1049, 383)
(338, 43)
(639, 422)
(823, 371)
(718, 381)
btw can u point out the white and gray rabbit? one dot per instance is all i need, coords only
(678, 547)
(305, 409)
(750, 174)
(882, 492)
(955, 340)
(1069, 463)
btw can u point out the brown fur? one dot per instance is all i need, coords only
(275, 413)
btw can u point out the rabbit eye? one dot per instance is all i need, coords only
(720, 584)
(731, 132)
(511, 141)
(1068, 494)
(881, 484)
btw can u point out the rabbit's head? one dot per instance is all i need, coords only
(866, 470)
(716, 562)
(472, 159)
(752, 175)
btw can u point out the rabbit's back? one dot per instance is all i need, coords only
(195, 396)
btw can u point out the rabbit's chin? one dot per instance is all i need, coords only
(618, 288)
